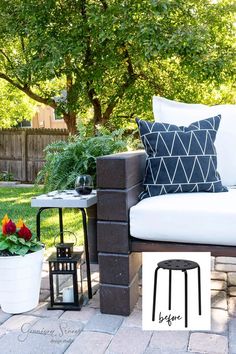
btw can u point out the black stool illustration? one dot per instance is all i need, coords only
(177, 264)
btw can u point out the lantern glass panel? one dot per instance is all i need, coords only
(63, 288)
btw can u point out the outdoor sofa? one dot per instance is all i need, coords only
(175, 222)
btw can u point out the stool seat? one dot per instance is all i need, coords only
(177, 264)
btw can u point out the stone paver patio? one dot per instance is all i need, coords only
(88, 331)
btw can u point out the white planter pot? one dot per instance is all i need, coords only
(20, 279)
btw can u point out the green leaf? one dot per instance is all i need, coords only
(22, 241)
(4, 245)
(13, 249)
(22, 251)
(13, 238)
(35, 248)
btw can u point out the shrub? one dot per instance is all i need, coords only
(6, 176)
(65, 160)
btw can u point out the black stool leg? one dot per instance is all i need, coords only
(199, 291)
(38, 229)
(61, 225)
(38, 223)
(154, 295)
(186, 298)
(86, 248)
(170, 274)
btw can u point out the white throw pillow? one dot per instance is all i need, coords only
(178, 113)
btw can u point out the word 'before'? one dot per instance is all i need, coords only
(169, 318)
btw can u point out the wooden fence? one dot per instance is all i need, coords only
(21, 150)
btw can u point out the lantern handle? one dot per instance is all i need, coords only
(70, 232)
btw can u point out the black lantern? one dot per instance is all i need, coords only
(65, 276)
(64, 250)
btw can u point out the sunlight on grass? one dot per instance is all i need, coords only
(7, 200)
(16, 202)
(72, 223)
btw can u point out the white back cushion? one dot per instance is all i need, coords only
(178, 113)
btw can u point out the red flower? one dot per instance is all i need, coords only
(9, 228)
(25, 233)
(4, 229)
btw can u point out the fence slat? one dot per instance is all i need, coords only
(21, 150)
(24, 156)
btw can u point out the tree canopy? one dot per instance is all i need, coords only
(14, 106)
(113, 55)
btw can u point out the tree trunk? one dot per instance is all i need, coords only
(70, 120)
(103, 118)
(99, 117)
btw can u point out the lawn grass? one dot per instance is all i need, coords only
(16, 202)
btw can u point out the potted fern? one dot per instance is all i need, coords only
(21, 258)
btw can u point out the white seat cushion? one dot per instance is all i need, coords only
(207, 218)
(178, 113)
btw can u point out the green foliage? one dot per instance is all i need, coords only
(18, 246)
(6, 176)
(113, 55)
(17, 239)
(66, 160)
(14, 106)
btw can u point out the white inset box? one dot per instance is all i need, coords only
(176, 291)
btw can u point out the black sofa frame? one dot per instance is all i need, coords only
(119, 182)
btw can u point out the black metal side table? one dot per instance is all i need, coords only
(67, 199)
(183, 265)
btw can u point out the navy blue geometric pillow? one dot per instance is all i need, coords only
(180, 159)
